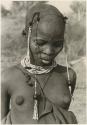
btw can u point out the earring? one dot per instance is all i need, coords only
(28, 40)
(67, 65)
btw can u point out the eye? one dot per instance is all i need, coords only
(41, 42)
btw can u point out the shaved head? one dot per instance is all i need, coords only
(52, 22)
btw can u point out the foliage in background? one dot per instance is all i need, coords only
(76, 30)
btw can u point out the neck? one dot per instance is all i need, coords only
(36, 70)
(38, 63)
(45, 66)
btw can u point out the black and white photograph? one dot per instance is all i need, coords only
(43, 62)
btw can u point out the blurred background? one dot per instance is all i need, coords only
(13, 45)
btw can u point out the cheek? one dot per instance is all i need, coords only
(34, 48)
(53, 49)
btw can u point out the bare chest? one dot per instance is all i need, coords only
(54, 88)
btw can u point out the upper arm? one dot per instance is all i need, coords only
(5, 97)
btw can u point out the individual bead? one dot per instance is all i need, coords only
(35, 96)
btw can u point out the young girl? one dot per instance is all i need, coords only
(38, 88)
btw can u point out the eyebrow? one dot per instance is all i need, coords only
(38, 38)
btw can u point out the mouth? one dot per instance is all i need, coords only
(46, 60)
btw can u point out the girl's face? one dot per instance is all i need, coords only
(46, 42)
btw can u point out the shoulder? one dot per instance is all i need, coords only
(72, 74)
(63, 70)
(9, 74)
(11, 78)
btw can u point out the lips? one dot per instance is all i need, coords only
(46, 60)
(46, 57)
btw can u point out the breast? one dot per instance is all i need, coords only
(62, 100)
(65, 101)
(22, 100)
(58, 92)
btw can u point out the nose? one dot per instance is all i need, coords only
(49, 50)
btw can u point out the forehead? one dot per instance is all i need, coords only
(50, 27)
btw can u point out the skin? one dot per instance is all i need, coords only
(42, 52)
(49, 41)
